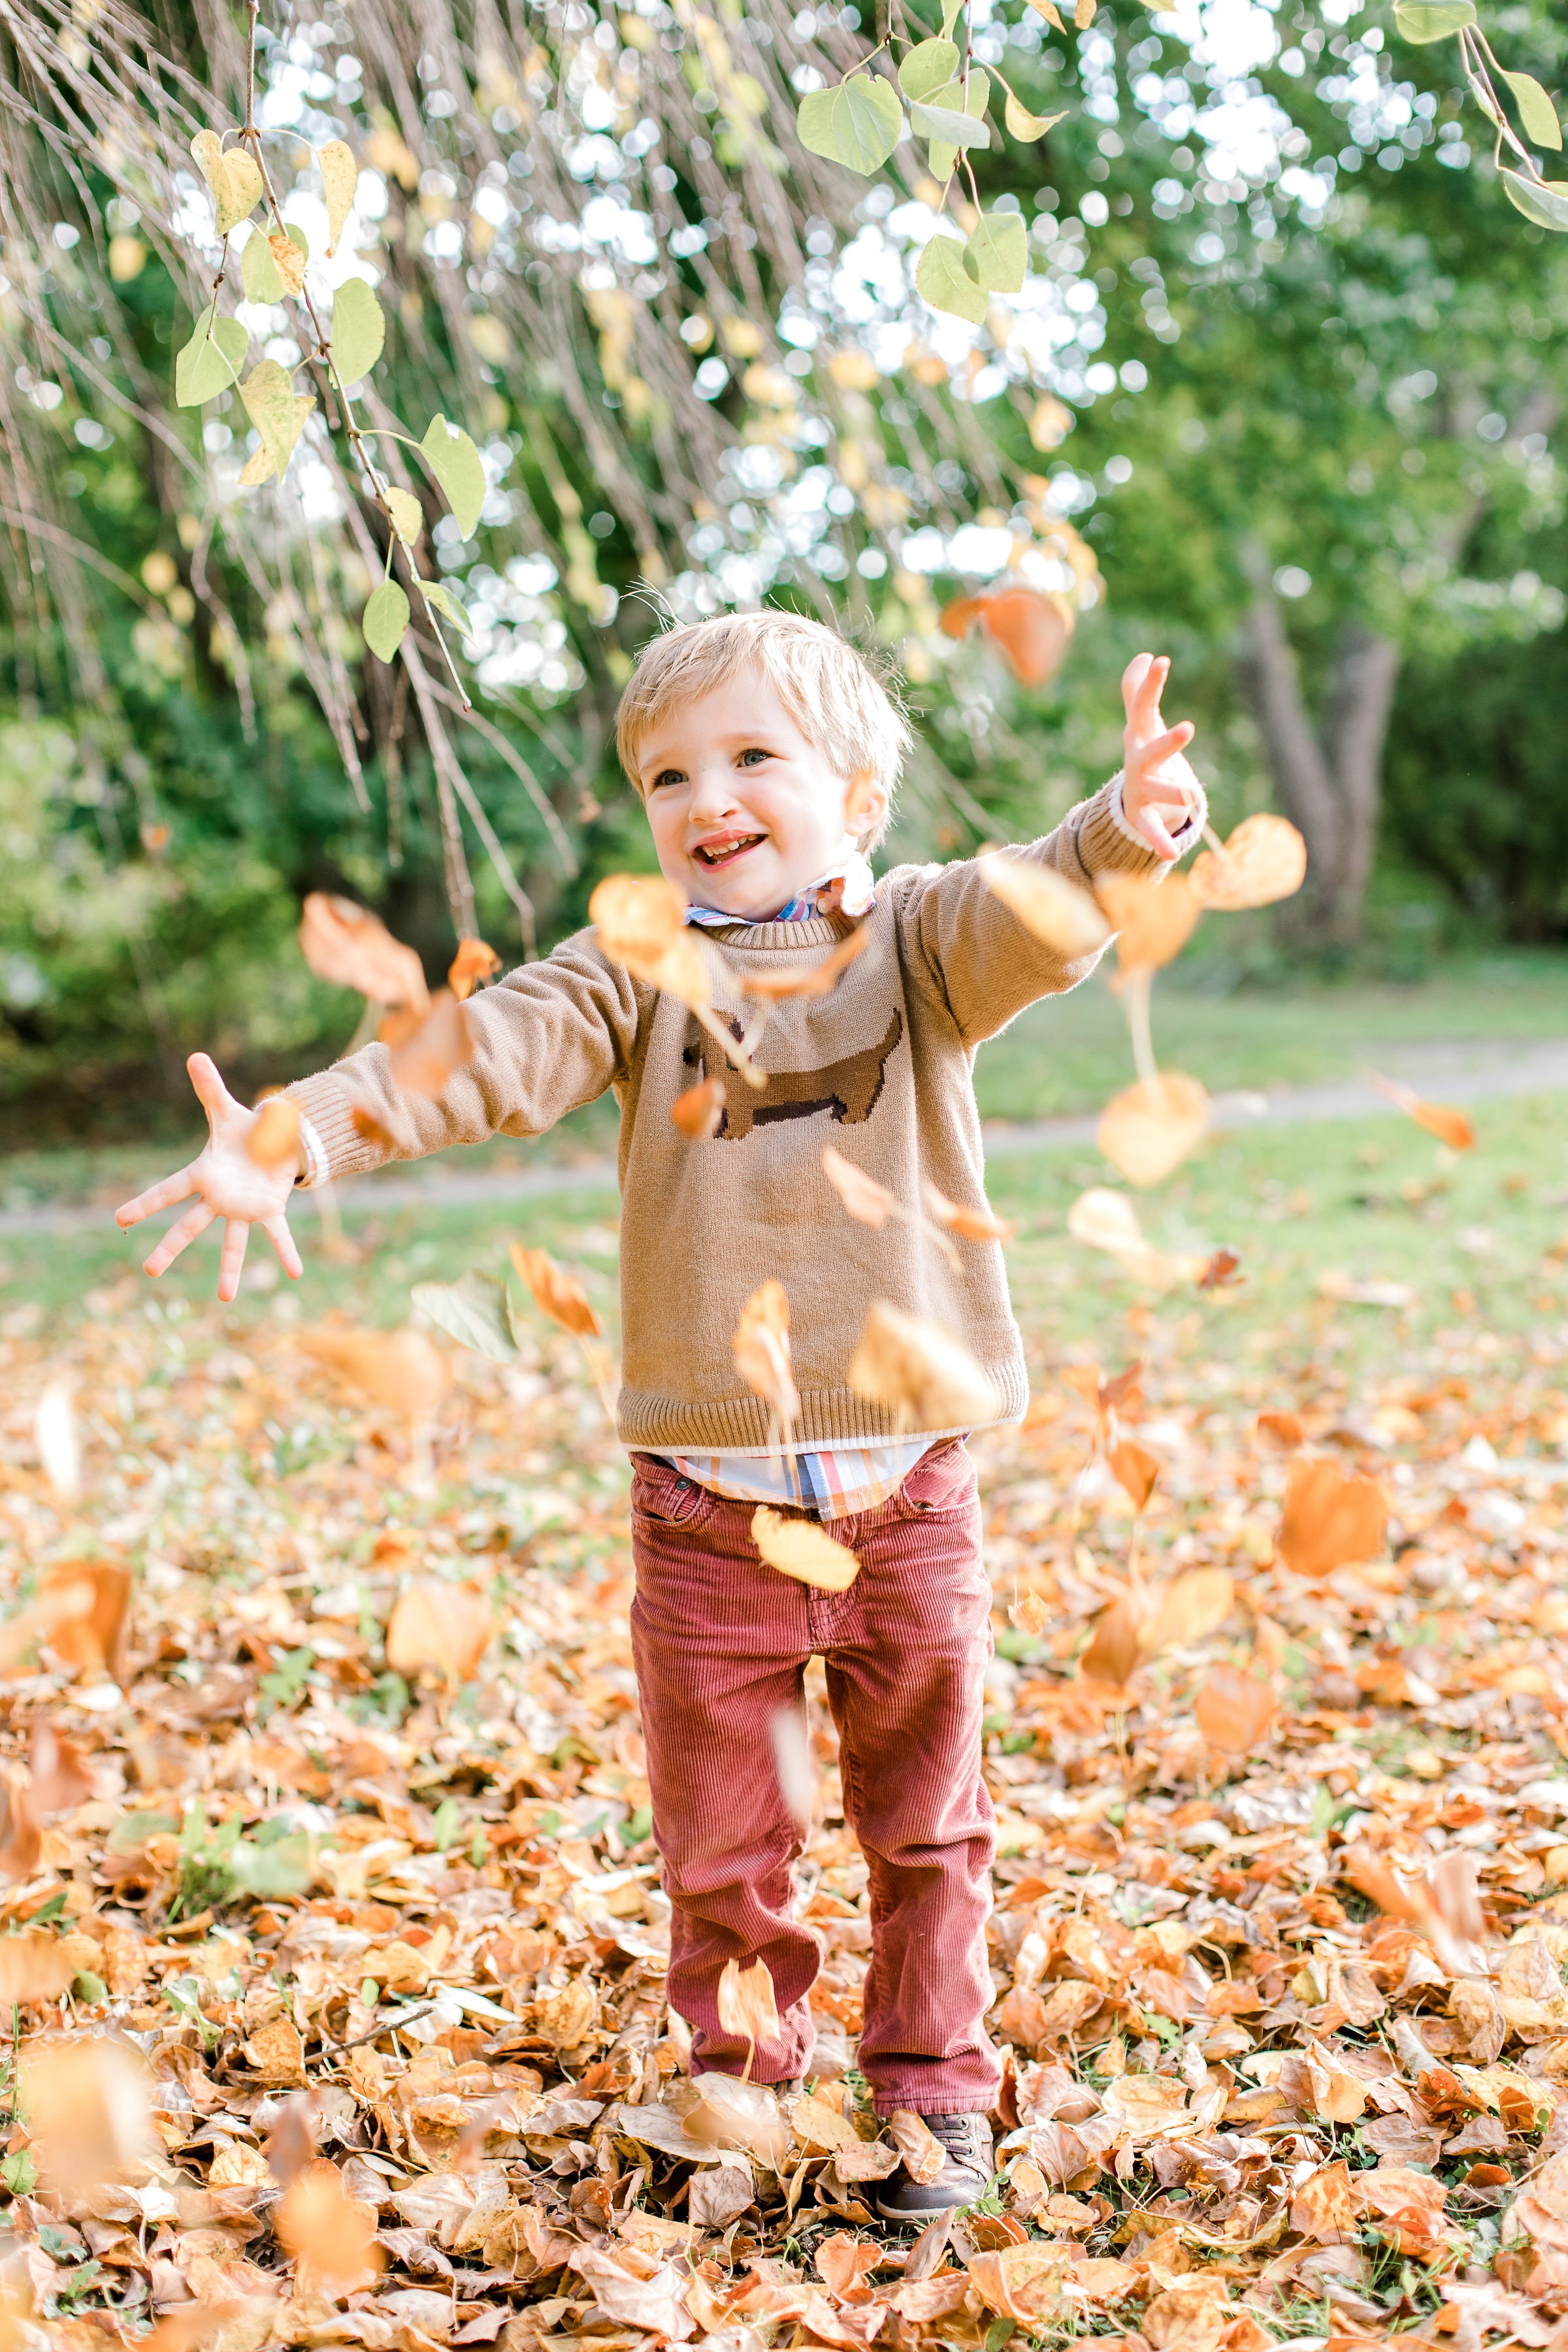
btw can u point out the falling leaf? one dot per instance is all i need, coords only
(746, 2004)
(868, 1201)
(1279, 1431)
(439, 1628)
(33, 1966)
(818, 980)
(1062, 916)
(1153, 915)
(442, 1041)
(60, 1778)
(800, 1549)
(474, 961)
(1105, 1220)
(92, 1635)
(399, 1368)
(641, 921)
(346, 944)
(762, 1354)
(1222, 1272)
(274, 1140)
(1115, 1648)
(1332, 1516)
(922, 2153)
(21, 1836)
(972, 1224)
(1190, 1607)
(1450, 1127)
(1148, 1129)
(1134, 1469)
(57, 1439)
(556, 1292)
(1233, 1710)
(699, 1113)
(1030, 1615)
(1265, 859)
(291, 2143)
(330, 2234)
(87, 2101)
(1030, 627)
(923, 1374)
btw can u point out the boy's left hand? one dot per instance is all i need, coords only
(1158, 787)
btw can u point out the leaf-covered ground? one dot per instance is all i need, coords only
(337, 1977)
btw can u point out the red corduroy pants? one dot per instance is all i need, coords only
(721, 1642)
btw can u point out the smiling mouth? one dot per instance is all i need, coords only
(715, 854)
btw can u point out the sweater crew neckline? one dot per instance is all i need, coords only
(805, 931)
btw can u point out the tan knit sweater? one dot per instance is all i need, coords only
(882, 1067)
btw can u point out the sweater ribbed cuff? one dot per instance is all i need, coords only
(326, 1106)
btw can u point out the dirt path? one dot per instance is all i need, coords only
(1475, 1071)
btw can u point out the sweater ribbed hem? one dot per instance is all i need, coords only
(656, 1424)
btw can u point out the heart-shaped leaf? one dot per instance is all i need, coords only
(459, 469)
(268, 392)
(359, 330)
(385, 619)
(942, 278)
(929, 66)
(857, 125)
(998, 251)
(210, 362)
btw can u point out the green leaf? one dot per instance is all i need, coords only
(359, 329)
(268, 392)
(1536, 110)
(450, 607)
(943, 154)
(942, 277)
(945, 124)
(472, 1310)
(459, 469)
(998, 251)
(858, 125)
(210, 362)
(1432, 20)
(443, 1827)
(18, 2172)
(1544, 202)
(283, 1868)
(259, 274)
(950, 12)
(89, 1989)
(385, 618)
(929, 66)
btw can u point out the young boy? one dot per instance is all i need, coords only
(752, 739)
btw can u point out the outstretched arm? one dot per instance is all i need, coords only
(226, 1183)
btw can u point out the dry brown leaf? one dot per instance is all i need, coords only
(747, 2006)
(1024, 2283)
(844, 2264)
(274, 1140)
(1265, 859)
(1278, 1432)
(1449, 1125)
(972, 1224)
(1115, 1648)
(1105, 1220)
(443, 1041)
(868, 1201)
(641, 921)
(1332, 1516)
(439, 1628)
(819, 979)
(1134, 1469)
(1190, 1608)
(94, 1635)
(398, 1368)
(291, 2142)
(349, 945)
(1029, 1614)
(762, 1354)
(699, 1113)
(556, 1292)
(330, 2234)
(1148, 1129)
(1054, 910)
(1151, 914)
(799, 1548)
(922, 2153)
(33, 1966)
(729, 2114)
(88, 2103)
(1233, 1710)
(475, 961)
(924, 1375)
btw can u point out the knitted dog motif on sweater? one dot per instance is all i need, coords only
(848, 1088)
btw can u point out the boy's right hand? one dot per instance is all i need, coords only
(227, 1184)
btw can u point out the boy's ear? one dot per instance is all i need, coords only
(865, 804)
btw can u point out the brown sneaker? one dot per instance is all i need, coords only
(965, 2176)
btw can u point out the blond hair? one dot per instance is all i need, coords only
(827, 685)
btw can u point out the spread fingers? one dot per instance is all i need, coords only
(277, 1231)
(177, 1187)
(194, 1221)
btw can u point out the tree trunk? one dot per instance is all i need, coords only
(1326, 780)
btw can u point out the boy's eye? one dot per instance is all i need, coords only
(749, 758)
(667, 776)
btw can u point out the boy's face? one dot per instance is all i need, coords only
(745, 813)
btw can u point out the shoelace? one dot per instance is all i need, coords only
(963, 2136)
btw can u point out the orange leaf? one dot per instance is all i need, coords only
(844, 2264)
(1450, 1127)
(275, 1139)
(746, 2003)
(93, 1636)
(439, 1628)
(1147, 1131)
(1265, 859)
(1279, 1431)
(1031, 627)
(330, 2234)
(816, 982)
(475, 961)
(442, 1041)
(1233, 1710)
(1330, 1517)
(924, 1375)
(1152, 915)
(1116, 1646)
(972, 1224)
(21, 1838)
(1190, 1607)
(60, 1778)
(918, 2146)
(762, 1354)
(399, 1368)
(799, 1548)
(556, 1292)
(699, 1113)
(347, 944)
(1134, 1469)
(869, 1203)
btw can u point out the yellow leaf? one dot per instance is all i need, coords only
(340, 176)
(798, 1547)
